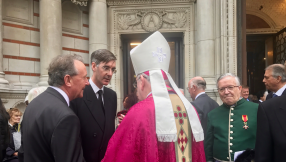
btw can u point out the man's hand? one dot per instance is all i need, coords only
(120, 118)
(15, 154)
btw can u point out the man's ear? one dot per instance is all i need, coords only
(68, 80)
(143, 82)
(279, 79)
(93, 66)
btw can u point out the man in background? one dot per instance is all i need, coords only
(245, 93)
(201, 101)
(275, 80)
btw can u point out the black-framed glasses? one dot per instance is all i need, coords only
(229, 88)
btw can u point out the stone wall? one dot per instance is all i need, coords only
(21, 44)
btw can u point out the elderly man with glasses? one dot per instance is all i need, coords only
(231, 126)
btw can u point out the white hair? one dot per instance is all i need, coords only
(34, 92)
(228, 75)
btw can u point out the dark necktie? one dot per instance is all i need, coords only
(274, 95)
(100, 100)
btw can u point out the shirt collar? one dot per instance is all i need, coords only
(260, 101)
(280, 91)
(63, 94)
(199, 95)
(95, 88)
(10, 124)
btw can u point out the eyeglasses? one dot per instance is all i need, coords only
(187, 88)
(135, 82)
(107, 69)
(229, 88)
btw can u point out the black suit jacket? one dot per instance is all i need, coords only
(204, 104)
(271, 131)
(269, 96)
(96, 128)
(50, 130)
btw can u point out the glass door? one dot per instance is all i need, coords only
(175, 69)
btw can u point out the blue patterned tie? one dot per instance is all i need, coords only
(274, 95)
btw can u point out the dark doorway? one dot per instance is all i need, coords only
(176, 70)
(256, 61)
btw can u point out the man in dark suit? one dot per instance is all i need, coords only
(97, 109)
(271, 131)
(50, 129)
(275, 80)
(201, 101)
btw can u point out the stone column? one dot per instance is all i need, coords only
(205, 49)
(4, 84)
(97, 26)
(50, 35)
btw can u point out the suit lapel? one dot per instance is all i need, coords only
(281, 115)
(94, 107)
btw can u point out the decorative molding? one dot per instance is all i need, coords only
(126, 2)
(152, 20)
(21, 13)
(19, 102)
(264, 31)
(80, 2)
(10, 95)
(266, 18)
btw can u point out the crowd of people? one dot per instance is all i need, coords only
(73, 120)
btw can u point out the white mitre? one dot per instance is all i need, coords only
(153, 55)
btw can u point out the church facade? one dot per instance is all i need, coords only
(204, 36)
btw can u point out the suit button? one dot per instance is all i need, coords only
(94, 134)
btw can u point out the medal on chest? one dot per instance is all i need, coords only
(245, 119)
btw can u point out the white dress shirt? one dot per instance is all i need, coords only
(96, 89)
(63, 94)
(199, 95)
(280, 91)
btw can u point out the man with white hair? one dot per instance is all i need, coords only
(231, 126)
(163, 126)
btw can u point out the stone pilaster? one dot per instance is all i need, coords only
(205, 48)
(4, 84)
(97, 26)
(50, 35)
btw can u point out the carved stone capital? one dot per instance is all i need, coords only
(80, 2)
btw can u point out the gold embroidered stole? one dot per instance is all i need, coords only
(183, 145)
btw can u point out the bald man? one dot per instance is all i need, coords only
(201, 101)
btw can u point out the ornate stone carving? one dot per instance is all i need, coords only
(125, 2)
(152, 20)
(80, 2)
